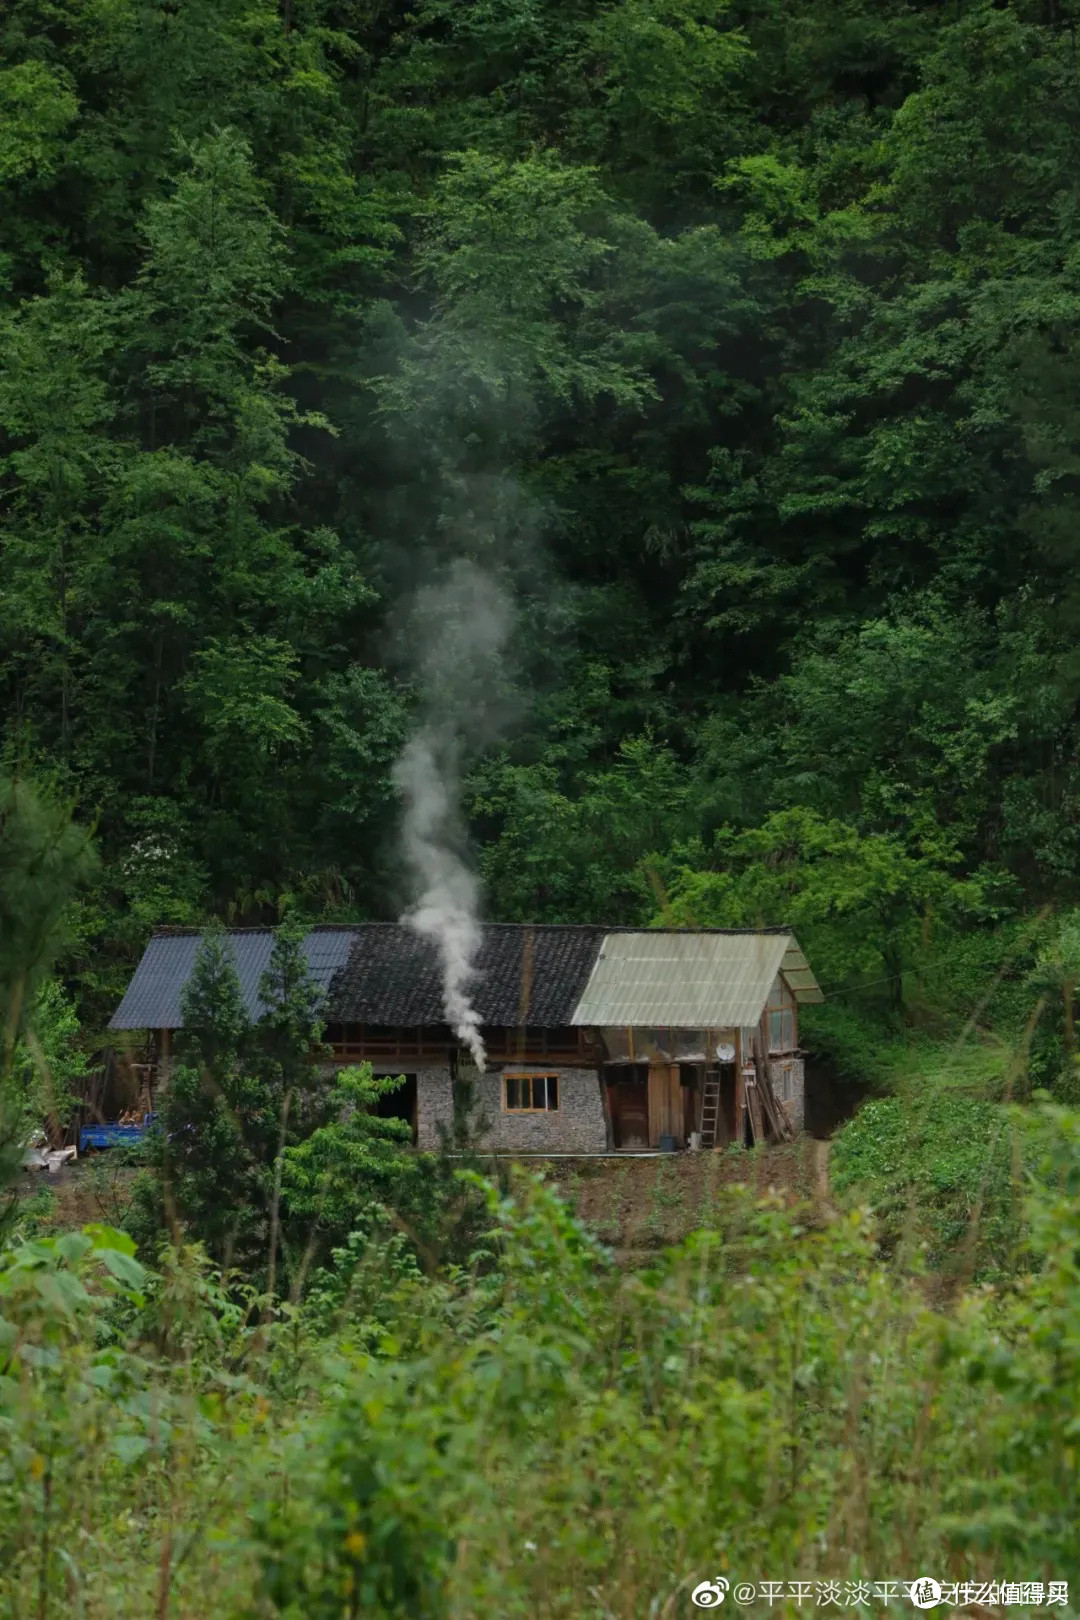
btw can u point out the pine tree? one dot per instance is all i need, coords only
(240, 1093)
(211, 1175)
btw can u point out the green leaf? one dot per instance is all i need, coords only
(124, 1268)
(110, 1238)
(51, 1290)
(71, 1246)
(130, 1447)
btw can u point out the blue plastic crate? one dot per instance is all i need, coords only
(103, 1136)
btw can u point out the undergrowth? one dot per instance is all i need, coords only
(535, 1432)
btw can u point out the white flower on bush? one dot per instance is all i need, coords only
(144, 854)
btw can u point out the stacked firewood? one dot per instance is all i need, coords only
(775, 1114)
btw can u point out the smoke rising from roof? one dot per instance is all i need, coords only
(460, 627)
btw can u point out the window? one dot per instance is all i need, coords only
(782, 1030)
(781, 1009)
(530, 1093)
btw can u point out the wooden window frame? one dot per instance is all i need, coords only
(781, 1006)
(532, 1074)
(781, 1014)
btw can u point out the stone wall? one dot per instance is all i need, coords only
(434, 1104)
(576, 1126)
(790, 1088)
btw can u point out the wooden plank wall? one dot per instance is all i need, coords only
(573, 1048)
(665, 1103)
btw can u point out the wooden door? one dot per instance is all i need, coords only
(665, 1103)
(628, 1091)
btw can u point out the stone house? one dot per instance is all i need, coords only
(597, 1039)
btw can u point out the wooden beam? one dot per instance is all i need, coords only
(525, 988)
(605, 1103)
(164, 1060)
(655, 1104)
(756, 1111)
(676, 1108)
(740, 1091)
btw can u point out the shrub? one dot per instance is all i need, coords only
(940, 1171)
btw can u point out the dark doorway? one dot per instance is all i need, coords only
(628, 1097)
(399, 1104)
(690, 1079)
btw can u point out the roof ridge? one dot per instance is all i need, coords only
(188, 930)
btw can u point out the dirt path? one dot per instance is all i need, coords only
(819, 1158)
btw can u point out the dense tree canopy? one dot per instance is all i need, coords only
(737, 340)
(719, 361)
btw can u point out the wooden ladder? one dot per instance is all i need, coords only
(710, 1108)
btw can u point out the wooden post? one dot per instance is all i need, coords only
(164, 1063)
(676, 1121)
(740, 1090)
(756, 1112)
(657, 1077)
(525, 993)
(605, 1103)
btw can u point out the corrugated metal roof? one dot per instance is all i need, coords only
(152, 999)
(796, 970)
(686, 981)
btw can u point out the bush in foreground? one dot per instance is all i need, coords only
(536, 1432)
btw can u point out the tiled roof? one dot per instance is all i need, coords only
(524, 975)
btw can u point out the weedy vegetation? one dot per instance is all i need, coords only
(729, 349)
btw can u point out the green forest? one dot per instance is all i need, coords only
(662, 419)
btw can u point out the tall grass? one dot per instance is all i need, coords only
(538, 1433)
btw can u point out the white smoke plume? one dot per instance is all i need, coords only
(459, 628)
(446, 909)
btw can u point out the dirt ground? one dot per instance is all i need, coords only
(637, 1206)
(640, 1205)
(96, 1188)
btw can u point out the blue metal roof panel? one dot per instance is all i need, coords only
(152, 999)
(326, 951)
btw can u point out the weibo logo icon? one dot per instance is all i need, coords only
(710, 1594)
